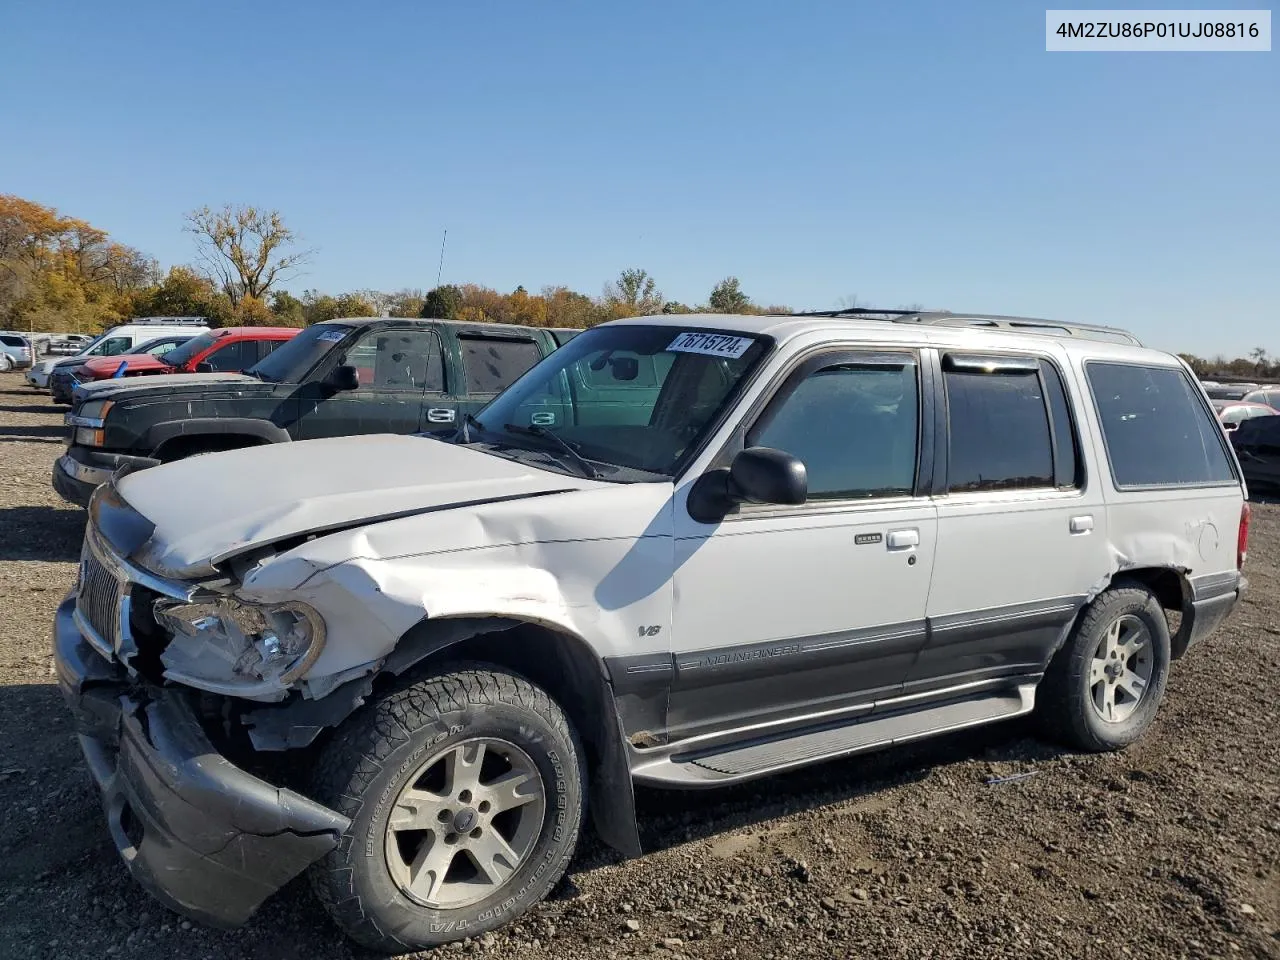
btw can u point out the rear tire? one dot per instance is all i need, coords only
(465, 792)
(1102, 689)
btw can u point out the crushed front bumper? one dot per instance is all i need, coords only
(203, 836)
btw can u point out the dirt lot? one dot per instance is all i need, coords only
(1171, 849)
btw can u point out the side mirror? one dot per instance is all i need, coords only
(204, 366)
(765, 475)
(756, 475)
(625, 369)
(345, 378)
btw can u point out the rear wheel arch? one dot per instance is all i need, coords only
(1171, 589)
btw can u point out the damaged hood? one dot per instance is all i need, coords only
(206, 509)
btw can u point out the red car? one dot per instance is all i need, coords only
(229, 349)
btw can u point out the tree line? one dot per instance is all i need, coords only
(60, 273)
(1259, 365)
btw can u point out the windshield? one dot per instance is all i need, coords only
(180, 355)
(290, 362)
(630, 397)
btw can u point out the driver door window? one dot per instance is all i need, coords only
(854, 426)
(233, 357)
(398, 360)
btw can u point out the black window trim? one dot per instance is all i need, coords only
(780, 386)
(1026, 363)
(1205, 406)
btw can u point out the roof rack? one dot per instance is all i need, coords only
(943, 318)
(172, 321)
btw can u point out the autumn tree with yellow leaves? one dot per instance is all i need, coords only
(62, 273)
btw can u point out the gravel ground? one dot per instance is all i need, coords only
(1171, 849)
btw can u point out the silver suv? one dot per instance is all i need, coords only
(15, 351)
(680, 551)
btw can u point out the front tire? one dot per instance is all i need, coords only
(1102, 689)
(465, 792)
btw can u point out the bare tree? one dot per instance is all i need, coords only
(243, 248)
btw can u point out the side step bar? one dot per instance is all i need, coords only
(763, 757)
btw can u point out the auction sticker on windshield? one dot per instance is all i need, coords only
(712, 344)
(332, 336)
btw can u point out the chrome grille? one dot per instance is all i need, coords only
(99, 598)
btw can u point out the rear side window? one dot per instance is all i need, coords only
(998, 425)
(10, 341)
(491, 365)
(1156, 428)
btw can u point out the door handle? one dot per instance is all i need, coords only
(440, 415)
(1081, 524)
(903, 539)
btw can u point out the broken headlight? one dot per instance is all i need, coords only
(229, 646)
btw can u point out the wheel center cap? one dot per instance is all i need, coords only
(464, 820)
(1114, 669)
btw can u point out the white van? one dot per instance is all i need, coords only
(117, 340)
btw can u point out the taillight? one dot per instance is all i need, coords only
(1242, 538)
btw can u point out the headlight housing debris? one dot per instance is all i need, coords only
(229, 646)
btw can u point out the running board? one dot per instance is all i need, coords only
(761, 758)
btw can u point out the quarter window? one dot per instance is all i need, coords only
(1156, 428)
(853, 425)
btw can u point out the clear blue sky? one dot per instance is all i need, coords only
(910, 152)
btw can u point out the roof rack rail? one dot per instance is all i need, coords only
(943, 318)
(172, 321)
(870, 312)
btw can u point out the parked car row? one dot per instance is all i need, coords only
(68, 344)
(677, 551)
(116, 341)
(226, 350)
(1250, 419)
(341, 377)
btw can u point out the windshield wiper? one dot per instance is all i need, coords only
(579, 460)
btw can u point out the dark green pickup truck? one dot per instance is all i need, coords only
(341, 377)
